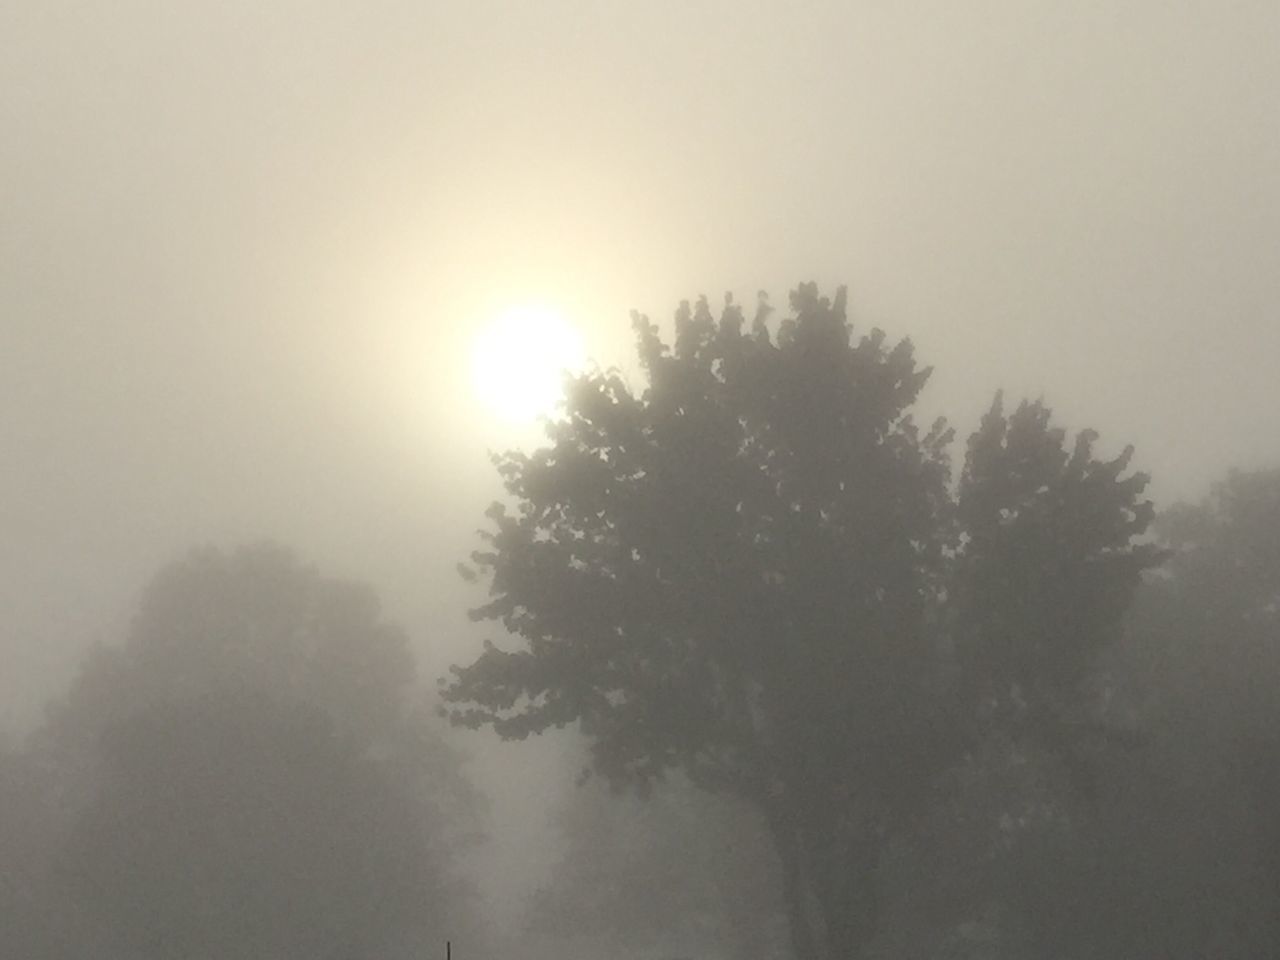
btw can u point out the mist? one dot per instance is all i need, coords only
(247, 252)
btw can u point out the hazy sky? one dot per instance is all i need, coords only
(244, 247)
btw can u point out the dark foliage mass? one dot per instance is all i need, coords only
(757, 572)
(247, 775)
(841, 698)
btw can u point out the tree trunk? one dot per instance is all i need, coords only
(830, 885)
(805, 914)
(850, 890)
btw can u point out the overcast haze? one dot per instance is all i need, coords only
(244, 248)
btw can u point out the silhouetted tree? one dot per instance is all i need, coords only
(1141, 803)
(1049, 565)
(746, 572)
(1050, 555)
(731, 574)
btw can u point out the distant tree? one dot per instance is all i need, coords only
(28, 911)
(1213, 616)
(253, 617)
(237, 824)
(1203, 672)
(251, 773)
(754, 571)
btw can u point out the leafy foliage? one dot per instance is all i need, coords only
(675, 551)
(755, 572)
(1051, 559)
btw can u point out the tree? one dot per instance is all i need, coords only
(1051, 557)
(1050, 553)
(1100, 820)
(744, 572)
(252, 617)
(31, 924)
(1201, 672)
(1214, 614)
(250, 773)
(237, 824)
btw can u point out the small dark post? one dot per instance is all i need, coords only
(448, 950)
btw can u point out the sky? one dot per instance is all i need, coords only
(245, 249)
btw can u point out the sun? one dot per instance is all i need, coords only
(519, 361)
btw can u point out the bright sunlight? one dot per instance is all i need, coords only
(519, 362)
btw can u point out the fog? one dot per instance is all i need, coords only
(246, 250)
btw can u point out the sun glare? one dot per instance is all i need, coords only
(519, 362)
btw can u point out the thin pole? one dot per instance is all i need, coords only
(448, 950)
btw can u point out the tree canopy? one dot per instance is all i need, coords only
(757, 571)
(251, 772)
(235, 824)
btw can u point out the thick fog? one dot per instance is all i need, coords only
(246, 250)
